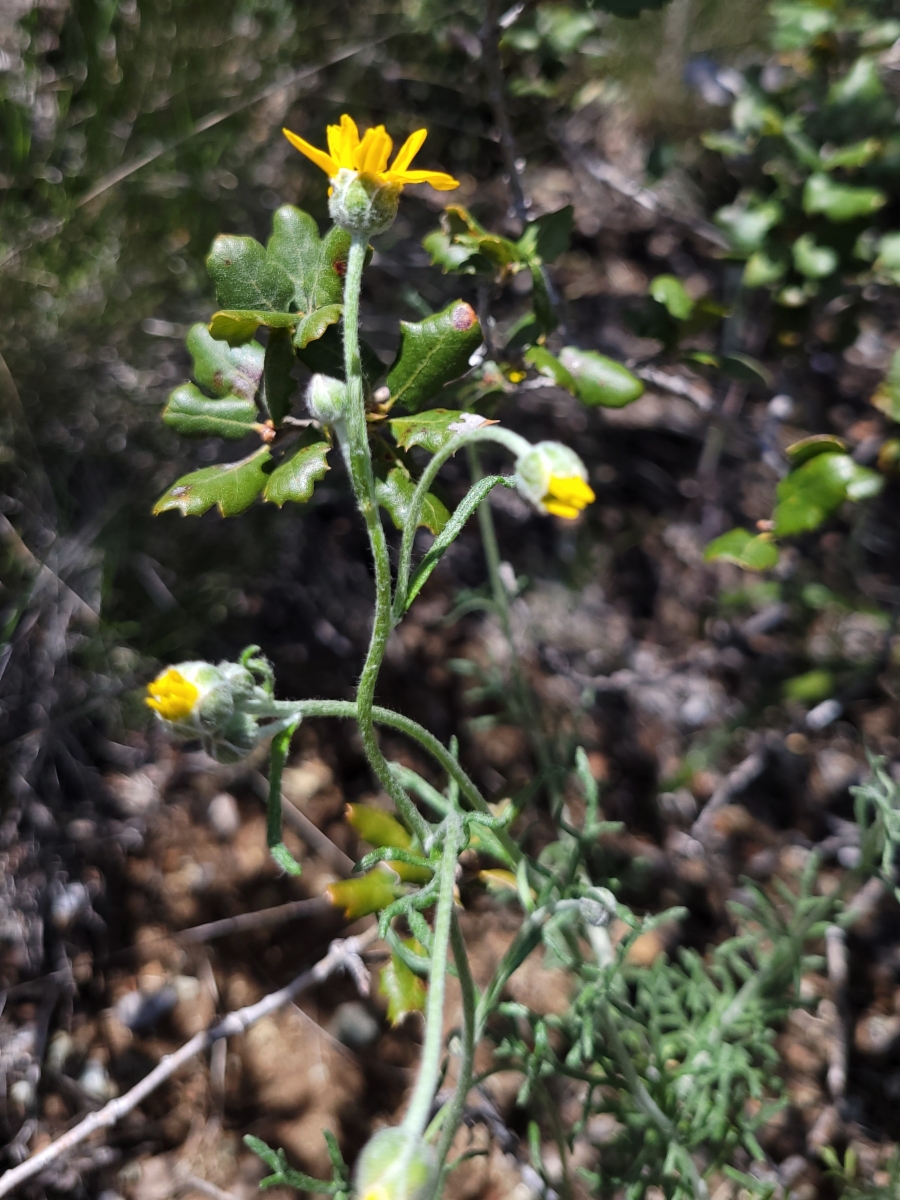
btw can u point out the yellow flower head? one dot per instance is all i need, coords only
(369, 155)
(567, 495)
(172, 696)
(554, 479)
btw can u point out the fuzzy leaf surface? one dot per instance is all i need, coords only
(245, 277)
(225, 370)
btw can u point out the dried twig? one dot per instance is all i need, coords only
(677, 385)
(244, 922)
(342, 954)
(732, 785)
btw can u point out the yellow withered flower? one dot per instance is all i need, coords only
(567, 495)
(554, 479)
(368, 156)
(172, 696)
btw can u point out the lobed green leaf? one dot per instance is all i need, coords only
(232, 487)
(296, 478)
(394, 492)
(190, 412)
(432, 353)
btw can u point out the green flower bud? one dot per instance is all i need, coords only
(554, 479)
(326, 399)
(395, 1166)
(363, 204)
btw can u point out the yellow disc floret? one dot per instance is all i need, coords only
(172, 696)
(369, 155)
(567, 495)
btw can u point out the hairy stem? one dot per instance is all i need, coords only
(355, 445)
(432, 1049)
(454, 1111)
(487, 433)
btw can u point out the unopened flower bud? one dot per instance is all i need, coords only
(363, 204)
(554, 479)
(394, 1165)
(326, 399)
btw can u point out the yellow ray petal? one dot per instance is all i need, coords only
(373, 151)
(343, 140)
(438, 180)
(409, 150)
(558, 509)
(351, 132)
(319, 157)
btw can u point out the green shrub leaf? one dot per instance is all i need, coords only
(548, 364)
(222, 369)
(245, 277)
(310, 328)
(600, 380)
(238, 325)
(432, 353)
(232, 487)
(279, 363)
(753, 552)
(840, 201)
(812, 260)
(190, 412)
(669, 291)
(433, 429)
(811, 493)
(547, 237)
(820, 443)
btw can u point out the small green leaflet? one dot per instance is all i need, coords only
(840, 201)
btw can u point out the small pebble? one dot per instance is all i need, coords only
(354, 1026)
(224, 816)
(95, 1082)
(877, 1033)
(140, 1011)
